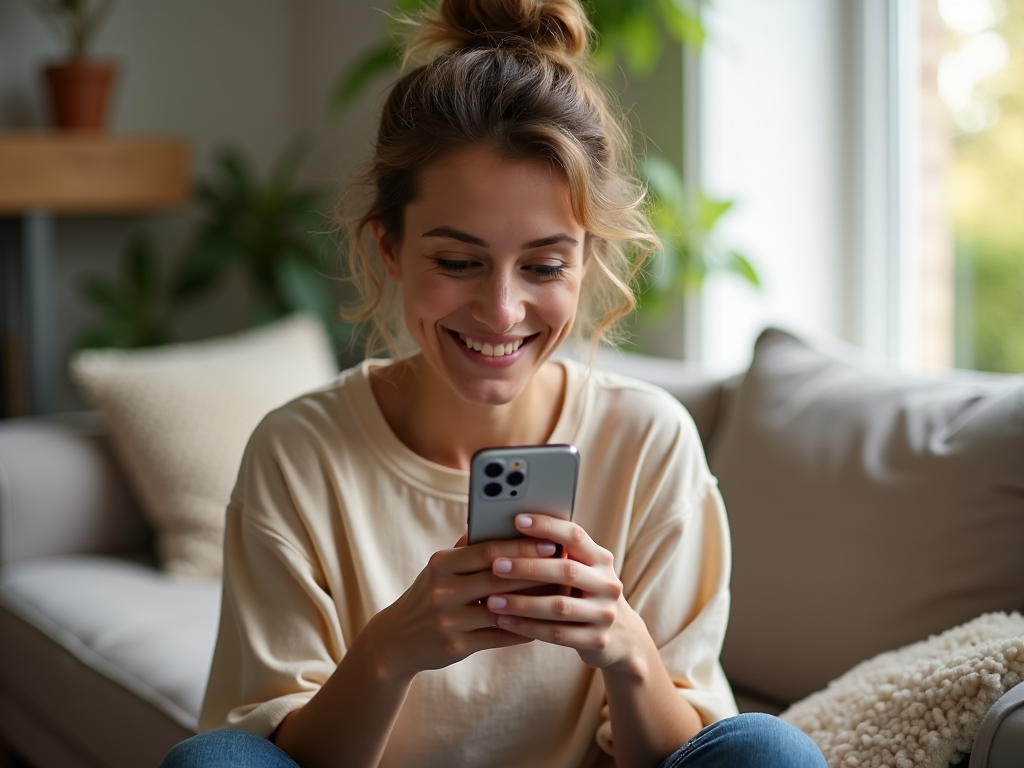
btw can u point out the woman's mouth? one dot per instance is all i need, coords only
(488, 349)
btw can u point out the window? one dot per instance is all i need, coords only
(971, 184)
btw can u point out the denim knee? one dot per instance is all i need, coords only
(751, 740)
(227, 749)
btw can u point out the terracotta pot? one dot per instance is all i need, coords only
(80, 94)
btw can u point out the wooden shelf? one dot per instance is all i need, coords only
(72, 173)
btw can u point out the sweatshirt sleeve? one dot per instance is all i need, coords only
(675, 573)
(280, 636)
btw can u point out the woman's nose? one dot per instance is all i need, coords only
(500, 305)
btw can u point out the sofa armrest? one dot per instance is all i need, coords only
(999, 742)
(61, 492)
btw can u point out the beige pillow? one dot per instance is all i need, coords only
(869, 509)
(919, 706)
(180, 416)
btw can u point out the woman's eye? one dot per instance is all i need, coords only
(548, 271)
(452, 266)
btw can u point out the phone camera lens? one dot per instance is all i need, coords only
(493, 469)
(492, 489)
(515, 478)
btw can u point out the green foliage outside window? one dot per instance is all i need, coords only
(986, 206)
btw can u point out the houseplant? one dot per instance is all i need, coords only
(270, 230)
(132, 308)
(273, 232)
(79, 87)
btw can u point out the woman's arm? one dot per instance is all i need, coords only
(437, 622)
(650, 720)
(351, 715)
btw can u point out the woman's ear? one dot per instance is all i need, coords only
(386, 248)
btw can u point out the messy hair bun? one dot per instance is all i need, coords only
(559, 28)
(510, 75)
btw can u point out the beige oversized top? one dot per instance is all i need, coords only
(332, 519)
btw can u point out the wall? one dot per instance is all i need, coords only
(251, 73)
(778, 104)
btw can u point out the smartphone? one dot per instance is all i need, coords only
(503, 482)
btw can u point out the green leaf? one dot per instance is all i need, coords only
(235, 170)
(711, 210)
(141, 268)
(682, 23)
(641, 41)
(740, 265)
(375, 62)
(665, 181)
(101, 293)
(303, 289)
(204, 265)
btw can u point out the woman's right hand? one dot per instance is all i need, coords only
(443, 617)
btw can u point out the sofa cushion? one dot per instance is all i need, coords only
(868, 510)
(179, 417)
(148, 633)
(921, 705)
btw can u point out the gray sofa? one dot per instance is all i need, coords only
(821, 460)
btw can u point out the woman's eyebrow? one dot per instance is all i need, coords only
(465, 237)
(543, 242)
(455, 234)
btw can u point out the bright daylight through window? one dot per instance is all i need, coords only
(972, 184)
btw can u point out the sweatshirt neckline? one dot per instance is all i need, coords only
(436, 477)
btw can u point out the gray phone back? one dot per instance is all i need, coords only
(504, 482)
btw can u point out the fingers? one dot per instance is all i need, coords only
(576, 541)
(479, 557)
(585, 638)
(566, 572)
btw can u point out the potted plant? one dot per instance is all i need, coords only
(273, 232)
(79, 87)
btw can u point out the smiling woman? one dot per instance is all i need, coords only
(359, 627)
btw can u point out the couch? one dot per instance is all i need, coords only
(869, 511)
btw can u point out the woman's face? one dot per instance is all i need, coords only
(491, 262)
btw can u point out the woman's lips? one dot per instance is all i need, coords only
(490, 349)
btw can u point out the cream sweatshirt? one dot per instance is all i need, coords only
(332, 519)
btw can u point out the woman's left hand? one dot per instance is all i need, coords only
(590, 616)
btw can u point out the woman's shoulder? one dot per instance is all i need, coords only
(328, 412)
(626, 395)
(630, 415)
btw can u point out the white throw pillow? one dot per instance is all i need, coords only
(180, 416)
(919, 706)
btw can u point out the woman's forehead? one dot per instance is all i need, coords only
(478, 188)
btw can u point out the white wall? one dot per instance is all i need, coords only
(778, 100)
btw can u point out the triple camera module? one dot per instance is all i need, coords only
(505, 478)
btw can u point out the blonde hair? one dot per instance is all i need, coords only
(511, 75)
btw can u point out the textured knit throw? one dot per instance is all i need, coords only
(919, 706)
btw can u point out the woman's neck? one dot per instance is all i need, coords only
(429, 418)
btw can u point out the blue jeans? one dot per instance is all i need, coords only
(746, 741)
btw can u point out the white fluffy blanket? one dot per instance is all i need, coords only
(919, 706)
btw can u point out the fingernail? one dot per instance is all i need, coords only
(502, 565)
(524, 521)
(546, 549)
(506, 621)
(496, 603)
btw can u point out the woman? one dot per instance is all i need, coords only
(358, 628)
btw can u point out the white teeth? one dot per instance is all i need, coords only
(491, 350)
